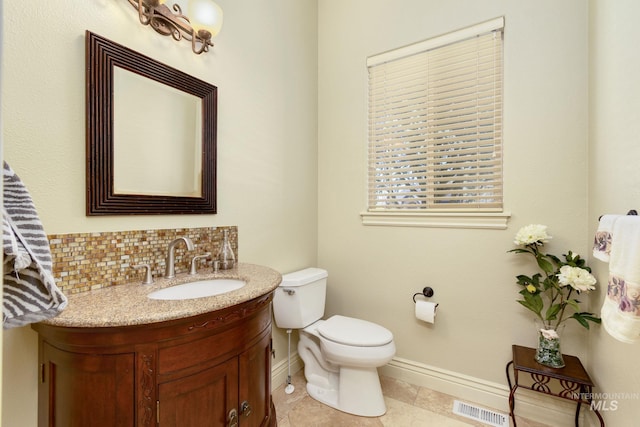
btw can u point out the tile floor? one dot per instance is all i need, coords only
(407, 406)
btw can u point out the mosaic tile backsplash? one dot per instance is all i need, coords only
(87, 261)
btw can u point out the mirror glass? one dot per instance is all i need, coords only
(151, 135)
(151, 159)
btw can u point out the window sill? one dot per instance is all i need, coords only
(484, 220)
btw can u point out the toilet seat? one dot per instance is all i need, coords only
(354, 332)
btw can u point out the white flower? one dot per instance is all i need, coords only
(549, 334)
(532, 234)
(576, 277)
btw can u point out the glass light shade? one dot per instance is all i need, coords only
(205, 15)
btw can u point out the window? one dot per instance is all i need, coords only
(435, 126)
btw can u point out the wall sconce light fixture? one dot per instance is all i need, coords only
(205, 22)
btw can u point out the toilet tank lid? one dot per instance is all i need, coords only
(303, 277)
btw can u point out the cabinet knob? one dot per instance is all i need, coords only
(245, 408)
(233, 418)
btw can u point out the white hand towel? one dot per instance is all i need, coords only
(621, 309)
(603, 237)
(620, 325)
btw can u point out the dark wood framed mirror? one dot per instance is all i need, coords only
(126, 157)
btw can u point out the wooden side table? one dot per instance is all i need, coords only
(573, 379)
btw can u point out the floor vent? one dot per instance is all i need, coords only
(492, 418)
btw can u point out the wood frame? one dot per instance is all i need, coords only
(101, 56)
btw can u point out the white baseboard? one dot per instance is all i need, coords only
(534, 406)
(528, 404)
(280, 370)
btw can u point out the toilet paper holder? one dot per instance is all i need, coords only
(426, 292)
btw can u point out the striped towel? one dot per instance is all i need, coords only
(30, 291)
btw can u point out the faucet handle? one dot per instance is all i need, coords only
(148, 279)
(194, 262)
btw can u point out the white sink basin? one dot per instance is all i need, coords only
(199, 289)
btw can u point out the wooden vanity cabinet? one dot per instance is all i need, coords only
(208, 370)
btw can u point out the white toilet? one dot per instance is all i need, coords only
(341, 354)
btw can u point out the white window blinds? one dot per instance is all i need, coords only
(435, 123)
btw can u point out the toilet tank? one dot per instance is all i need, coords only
(299, 300)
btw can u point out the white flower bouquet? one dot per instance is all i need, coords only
(552, 294)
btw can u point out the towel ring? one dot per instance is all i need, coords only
(427, 292)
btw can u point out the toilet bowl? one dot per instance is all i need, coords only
(349, 380)
(341, 354)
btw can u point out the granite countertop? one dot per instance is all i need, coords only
(126, 305)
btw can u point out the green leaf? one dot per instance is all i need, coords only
(534, 301)
(545, 265)
(552, 312)
(525, 291)
(590, 317)
(581, 320)
(554, 259)
(574, 304)
(527, 305)
(583, 317)
(523, 280)
(535, 280)
(550, 282)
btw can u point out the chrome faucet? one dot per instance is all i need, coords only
(170, 263)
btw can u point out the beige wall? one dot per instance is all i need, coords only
(264, 64)
(614, 178)
(571, 145)
(374, 271)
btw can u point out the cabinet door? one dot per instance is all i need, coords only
(255, 384)
(86, 390)
(199, 400)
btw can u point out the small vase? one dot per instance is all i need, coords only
(548, 352)
(226, 256)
